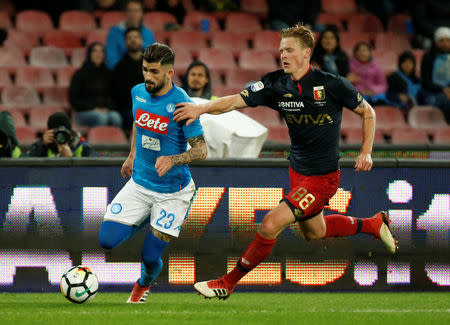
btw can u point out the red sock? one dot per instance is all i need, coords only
(255, 253)
(342, 226)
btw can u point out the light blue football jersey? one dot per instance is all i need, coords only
(157, 134)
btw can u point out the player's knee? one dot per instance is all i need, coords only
(106, 242)
(314, 234)
(151, 260)
(268, 228)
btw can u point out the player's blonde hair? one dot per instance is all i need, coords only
(303, 34)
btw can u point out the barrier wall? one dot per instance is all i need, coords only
(51, 210)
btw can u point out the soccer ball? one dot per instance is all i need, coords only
(79, 284)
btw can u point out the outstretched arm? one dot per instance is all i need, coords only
(198, 151)
(364, 160)
(190, 111)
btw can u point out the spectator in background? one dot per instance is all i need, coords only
(368, 77)
(283, 14)
(115, 42)
(328, 55)
(196, 82)
(403, 84)
(436, 73)
(429, 15)
(174, 7)
(127, 74)
(90, 91)
(101, 5)
(60, 140)
(9, 146)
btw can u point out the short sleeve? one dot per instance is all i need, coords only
(348, 95)
(258, 93)
(192, 130)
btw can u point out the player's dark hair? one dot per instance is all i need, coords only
(302, 33)
(132, 29)
(158, 52)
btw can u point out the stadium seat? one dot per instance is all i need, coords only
(40, 114)
(442, 136)
(350, 39)
(26, 135)
(5, 79)
(97, 35)
(21, 98)
(34, 21)
(24, 41)
(215, 78)
(64, 76)
(354, 136)
(418, 54)
(48, 57)
(391, 41)
(183, 59)
(56, 96)
(192, 41)
(106, 134)
(257, 60)
(65, 40)
(240, 22)
(266, 116)
(229, 41)
(111, 18)
(163, 36)
(398, 23)
(35, 77)
(258, 8)
(5, 20)
(366, 23)
(330, 20)
(339, 6)
(217, 59)
(18, 119)
(387, 59)
(240, 77)
(193, 21)
(408, 136)
(267, 40)
(156, 20)
(78, 57)
(426, 118)
(350, 120)
(279, 134)
(11, 59)
(221, 91)
(389, 118)
(78, 22)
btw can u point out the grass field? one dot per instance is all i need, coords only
(240, 308)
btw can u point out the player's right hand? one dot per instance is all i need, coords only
(127, 168)
(186, 111)
(48, 137)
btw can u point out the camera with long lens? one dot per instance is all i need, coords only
(62, 135)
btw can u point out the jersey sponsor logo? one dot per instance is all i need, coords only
(290, 104)
(244, 93)
(116, 208)
(257, 86)
(170, 108)
(139, 99)
(319, 119)
(288, 95)
(152, 122)
(319, 93)
(151, 143)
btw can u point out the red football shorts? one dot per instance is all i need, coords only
(309, 194)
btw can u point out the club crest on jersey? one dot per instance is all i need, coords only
(319, 93)
(152, 122)
(170, 108)
(257, 86)
(116, 208)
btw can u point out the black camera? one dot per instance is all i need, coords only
(62, 135)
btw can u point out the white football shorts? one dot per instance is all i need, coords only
(167, 211)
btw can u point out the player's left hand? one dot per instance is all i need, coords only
(363, 162)
(163, 165)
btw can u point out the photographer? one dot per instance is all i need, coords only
(59, 140)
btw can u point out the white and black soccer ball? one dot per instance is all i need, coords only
(79, 284)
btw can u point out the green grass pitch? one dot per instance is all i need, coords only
(240, 308)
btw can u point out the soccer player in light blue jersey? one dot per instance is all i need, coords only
(161, 186)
